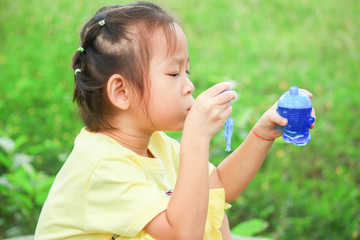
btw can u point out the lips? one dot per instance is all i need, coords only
(192, 102)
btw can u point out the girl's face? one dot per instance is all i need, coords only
(170, 88)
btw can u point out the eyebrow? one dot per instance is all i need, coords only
(178, 60)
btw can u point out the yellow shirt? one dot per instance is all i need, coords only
(106, 191)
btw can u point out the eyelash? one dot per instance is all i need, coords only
(177, 74)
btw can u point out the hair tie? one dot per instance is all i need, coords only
(265, 139)
(77, 70)
(101, 23)
(80, 49)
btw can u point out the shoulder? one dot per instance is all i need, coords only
(92, 146)
(161, 136)
(97, 154)
(160, 139)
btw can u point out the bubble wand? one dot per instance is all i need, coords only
(229, 123)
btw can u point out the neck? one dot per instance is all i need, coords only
(132, 139)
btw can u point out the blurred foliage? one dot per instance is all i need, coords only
(263, 47)
(250, 227)
(23, 189)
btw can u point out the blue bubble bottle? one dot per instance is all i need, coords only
(296, 106)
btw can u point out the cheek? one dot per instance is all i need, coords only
(163, 106)
(160, 95)
(156, 106)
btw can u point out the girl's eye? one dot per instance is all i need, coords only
(178, 74)
(174, 75)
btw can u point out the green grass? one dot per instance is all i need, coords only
(309, 192)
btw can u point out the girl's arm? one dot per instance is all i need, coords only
(240, 167)
(185, 216)
(187, 209)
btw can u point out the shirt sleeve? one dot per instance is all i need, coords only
(120, 198)
(216, 211)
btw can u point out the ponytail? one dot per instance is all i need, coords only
(115, 40)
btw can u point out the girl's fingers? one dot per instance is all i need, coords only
(313, 111)
(274, 107)
(217, 89)
(314, 116)
(226, 113)
(276, 118)
(225, 97)
(306, 92)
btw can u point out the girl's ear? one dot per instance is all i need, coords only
(118, 92)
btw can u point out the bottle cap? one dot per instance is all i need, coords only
(295, 99)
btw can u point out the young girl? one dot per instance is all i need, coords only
(125, 179)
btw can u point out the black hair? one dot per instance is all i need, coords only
(122, 45)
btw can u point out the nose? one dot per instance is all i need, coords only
(188, 87)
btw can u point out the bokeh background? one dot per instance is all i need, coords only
(262, 47)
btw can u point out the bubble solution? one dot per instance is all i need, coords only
(297, 130)
(296, 106)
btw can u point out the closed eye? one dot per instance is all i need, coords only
(178, 74)
(174, 74)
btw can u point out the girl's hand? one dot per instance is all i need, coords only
(209, 111)
(267, 128)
